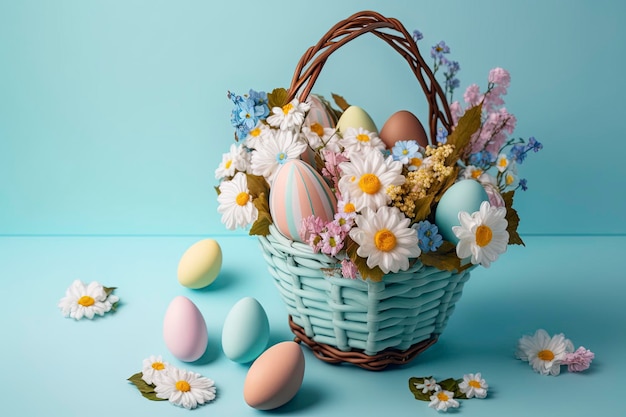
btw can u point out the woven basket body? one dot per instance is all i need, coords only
(370, 324)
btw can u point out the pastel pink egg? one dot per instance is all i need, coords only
(299, 191)
(318, 113)
(184, 330)
(275, 377)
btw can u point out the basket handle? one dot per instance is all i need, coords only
(315, 57)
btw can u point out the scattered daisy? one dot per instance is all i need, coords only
(234, 160)
(153, 369)
(365, 179)
(404, 151)
(360, 140)
(473, 385)
(482, 234)
(427, 386)
(385, 238)
(184, 388)
(442, 400)
(83, 300)
(544, 353)
(235, 203)
(272, 153)
(290, 116)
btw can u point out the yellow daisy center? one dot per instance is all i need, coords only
(546, 355)
(509, 179)
(242, 198)
(416, 162)
(362, 137)
(405, 151)
(442, 396)
(385, 240)
(483, 235)
(287, 108)
(183, 386)
(349, 208)
(318, 129)
(476, 173)
(503, 163)
(255, 132)
(86, 301)
(228, 163)
(369, 183)
(474, 384)
(158, 366)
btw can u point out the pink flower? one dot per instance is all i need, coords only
(457, 112)
(500, 76)
(332, 239)
(310, 230)
(348, 268)
(472, 95)
(579, 360)
(331, 165)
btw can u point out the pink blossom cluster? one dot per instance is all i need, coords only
(331, 166)
(579, 360)
(497, 122)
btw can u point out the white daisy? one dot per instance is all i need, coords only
(360, 140)
(290, 116)
(153, 369)
(234, 160)
(317, 135)
(442, 400)
(482, 234)
(473, 385)
(544, 353)
(275, 151)
(259, 133)
(235, 203)
(472, 172)
(511, 179)
(86, 300)
(502, 163)
(427, 385)
(385, 238)
(365, 179)
(184, 388)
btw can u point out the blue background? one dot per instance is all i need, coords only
(114, 116)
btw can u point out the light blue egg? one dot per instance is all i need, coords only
(465, 195)
(246, 331)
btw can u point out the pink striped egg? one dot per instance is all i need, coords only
(318, 113)
(299, 191)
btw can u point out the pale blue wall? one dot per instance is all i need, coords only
(113, 114)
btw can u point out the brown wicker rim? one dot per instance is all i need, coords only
(391, 31)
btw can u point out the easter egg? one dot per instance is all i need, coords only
(299, 191)
(355, 117)
(200, 264)
(184, 330)
(319, 113)
(275, 377)
(465, 195)
(246, 331)
(403, 125)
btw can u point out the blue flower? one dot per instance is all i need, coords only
(518, 153)
(482, 159)
(417, 35)
(442, 135)
(534, 144)
(404, 150)
(428, 236)
(524, 184)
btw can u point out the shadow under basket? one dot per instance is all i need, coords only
(368, 324)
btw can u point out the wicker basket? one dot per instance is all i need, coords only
(369, 324)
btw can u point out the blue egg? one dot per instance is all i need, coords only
(465, 195)
(246, 331)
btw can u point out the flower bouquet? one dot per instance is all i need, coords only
(370, 235)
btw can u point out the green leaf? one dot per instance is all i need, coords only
(261, 226)
(277, 98)
(340, 102)
(147, 390)
(257, 185)
(444, 258)
(449, 384)
(460, 137)
(375, 274)
(109, 290)
(513, 218)
(152, 396)
(419, 395)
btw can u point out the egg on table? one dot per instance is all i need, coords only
(246, 331)
(200, 264)
(184, 330)
(465, 195)
(299, 191)
(275, 377)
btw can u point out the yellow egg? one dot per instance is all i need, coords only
(200, 264)
(355, 117)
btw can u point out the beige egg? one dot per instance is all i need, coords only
(200, 264)
(403, 125)
(355, 117)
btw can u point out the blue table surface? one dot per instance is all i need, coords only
(57, 366)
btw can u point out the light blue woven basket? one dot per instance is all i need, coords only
(402, 311)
